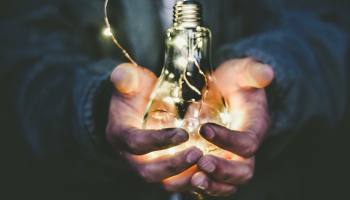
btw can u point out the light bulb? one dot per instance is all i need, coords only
(186, 95)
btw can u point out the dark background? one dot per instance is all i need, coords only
(322, 163)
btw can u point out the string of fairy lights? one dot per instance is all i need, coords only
(109, 33)
(183, 62)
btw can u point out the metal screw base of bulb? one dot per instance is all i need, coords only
(188, 14)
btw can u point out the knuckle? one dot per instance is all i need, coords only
(214, 192)
(162, 139)
(247, 174)
(226, 176)
(133, 145)
(250, 146)
(231, 192)
(145, 175)
(174, 167)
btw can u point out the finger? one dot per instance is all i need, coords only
(139, 142)
(256, 75)
(158, 169)
(228, 171)
(211, 187)
(244, 144)
(125, 78)
(179, 183)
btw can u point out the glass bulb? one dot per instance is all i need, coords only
(186, 95)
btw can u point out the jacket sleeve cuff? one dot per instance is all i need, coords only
(91, 98)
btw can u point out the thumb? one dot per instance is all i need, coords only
(125, 78)
(257, 75)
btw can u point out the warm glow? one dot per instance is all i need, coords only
(225, 118)
(107, 32)
(177, 100)
(183, 62)
(178, 123)
(171, 151)
(180, 42)
(196, 114)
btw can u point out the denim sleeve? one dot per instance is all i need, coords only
(308, 57)
(61, 92)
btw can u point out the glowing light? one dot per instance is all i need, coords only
(171, 75)
(183, 62)
(189, 74)
(190, 129)
(171, 151)
(171, 100)
(166, 72)
(180, 42)
(107, 32)
(168, 99)
(178, 123)
(177, 100)
(225, 118)
(200, 44)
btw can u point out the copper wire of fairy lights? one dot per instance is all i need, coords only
(184, 75)
(113, 38)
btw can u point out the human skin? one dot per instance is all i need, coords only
(241, 82)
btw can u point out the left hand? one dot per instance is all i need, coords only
(242, 83)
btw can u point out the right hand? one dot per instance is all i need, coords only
(124, 133)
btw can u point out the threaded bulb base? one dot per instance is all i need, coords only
(188, 14)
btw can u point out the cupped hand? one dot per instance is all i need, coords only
(124, 133)
(242, 83)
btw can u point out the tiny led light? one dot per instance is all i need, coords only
(180, 42)
(200, 44)
(183, 62)
(178, 123)
(171, 151)
(107, 32)
(225, 118)
(196, 113)
(168, 100)
(177, 100)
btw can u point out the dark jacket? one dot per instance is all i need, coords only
(56, 65)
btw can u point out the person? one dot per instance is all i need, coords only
(282, 62)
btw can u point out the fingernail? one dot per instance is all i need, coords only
(117, 74)
(208, 167)
(207, 132)
(199, 181)
(193, 156)
(125, 78)
(179, 137)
